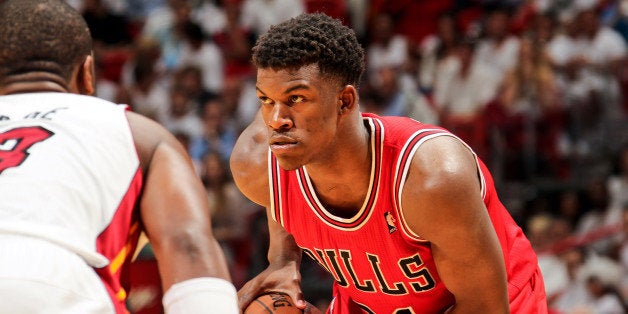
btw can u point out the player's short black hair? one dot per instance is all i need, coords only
(41, 35)
(312, 38)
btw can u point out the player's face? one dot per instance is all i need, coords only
(300, 108)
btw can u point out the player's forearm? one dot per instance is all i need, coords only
(201, 286)
(481, 291)
(283, 249)
(185, 256)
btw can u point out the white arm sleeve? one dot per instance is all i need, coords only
(201, 295)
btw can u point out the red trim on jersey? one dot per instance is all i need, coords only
(276, 186)
(118, 242)
(408, 153)
(403, 163)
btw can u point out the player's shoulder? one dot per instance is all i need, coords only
(442, 149)
(249, 162)
(251, 146)
(442, 161)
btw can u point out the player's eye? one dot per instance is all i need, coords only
(296, 99)
(265, 100)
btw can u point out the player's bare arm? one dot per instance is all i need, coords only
(282, 273)
(249, 162)
(442, 203)
(249, 165)
(174, 208)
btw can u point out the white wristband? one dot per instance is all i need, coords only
(201, 295)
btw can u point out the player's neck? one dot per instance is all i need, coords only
(350, 154)
(342, 183)
(32, 83)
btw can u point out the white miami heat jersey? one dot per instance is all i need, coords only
(68, 168)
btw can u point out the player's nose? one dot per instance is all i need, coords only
(279, 118)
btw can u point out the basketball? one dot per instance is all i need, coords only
(272, 303)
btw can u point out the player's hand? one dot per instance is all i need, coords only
(285, 278)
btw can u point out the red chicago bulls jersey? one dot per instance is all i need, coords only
(378, 263)
(69, 174)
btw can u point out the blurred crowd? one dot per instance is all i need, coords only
(538, 88)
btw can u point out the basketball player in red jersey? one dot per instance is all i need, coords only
(403, 215)
(80, 178)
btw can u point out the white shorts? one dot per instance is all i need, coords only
(37, 276)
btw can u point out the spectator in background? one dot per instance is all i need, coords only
(590, 57)
(436, 48)
(235, 42)
(144, 50)
(564, 52)
(592, 284)
(463, 88)
(190, 80)
(218, 132)
(603, 51)
(617, 187)
(498, 47)
(598, 216)
(603, 48)
(525, 116)
(386, 49)
(105, 88)
(165, 26)
(358, 15)
(259, 15)
(240, 100)
(542, 29)
(160, 18)
(570, 206)
(573, 294)
(605, 297)
(398, 95)
(181, 115)
(619, 18)
(622, 251)
(199, 51)
(597, 201)
(113, 36)
(414, 19)
(139, 10)
(618, 182)
(563, 49)
(211, 15)
(147, 93)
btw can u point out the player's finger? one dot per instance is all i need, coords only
(299, 301)
(296, 293)
(246, 295)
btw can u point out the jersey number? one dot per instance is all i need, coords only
(14, 144)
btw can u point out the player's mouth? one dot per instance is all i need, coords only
(282, 144)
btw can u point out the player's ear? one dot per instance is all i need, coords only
(86, 76)
(348, 99)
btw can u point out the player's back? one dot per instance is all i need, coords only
(66, 165)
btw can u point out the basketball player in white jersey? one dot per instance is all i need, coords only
(80, 178)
